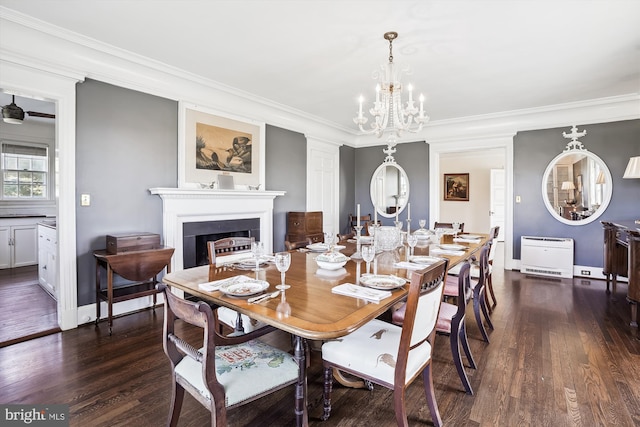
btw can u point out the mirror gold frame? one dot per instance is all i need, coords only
(389, 189)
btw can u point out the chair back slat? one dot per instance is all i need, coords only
(228, 246)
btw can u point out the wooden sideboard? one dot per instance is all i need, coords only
(302, 226)
(622, 258)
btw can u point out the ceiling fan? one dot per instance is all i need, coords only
(13, 114)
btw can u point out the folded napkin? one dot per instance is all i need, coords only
(466, 240)
(409, 265)
(215, 285)
(445, 252)
(351, 290)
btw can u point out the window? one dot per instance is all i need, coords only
(25, 171)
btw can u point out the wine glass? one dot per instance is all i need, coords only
(329, 240)
(283, 309)
(422, 223)
(282, 261)
(257, 249)
(412, 241)
(368, 253)
(456, 227)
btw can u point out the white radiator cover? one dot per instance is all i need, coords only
(546, 256)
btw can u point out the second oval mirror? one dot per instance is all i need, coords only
(389, 189)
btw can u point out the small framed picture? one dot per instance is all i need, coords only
(456, 187)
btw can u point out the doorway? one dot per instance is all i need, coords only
(27, 308)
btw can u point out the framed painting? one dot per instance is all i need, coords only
(456, 187)
(212, 143)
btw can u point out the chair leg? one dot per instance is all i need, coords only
(485, 311)
(427, 378)
(176, 404)
(493, 295)
(476, 311)
(326, 393)
(454, 338)
(465, 345)
(399, 406)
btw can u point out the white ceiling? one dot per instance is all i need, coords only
(469, 57)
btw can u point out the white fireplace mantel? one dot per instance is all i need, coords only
(182, 205)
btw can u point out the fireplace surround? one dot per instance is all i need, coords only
(181, 206)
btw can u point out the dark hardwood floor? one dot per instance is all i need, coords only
(561, 354)
(26, 310)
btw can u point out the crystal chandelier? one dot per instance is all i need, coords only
(388, 112)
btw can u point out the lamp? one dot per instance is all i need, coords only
(633, 168)
(600, 179)
(389, 116)
(12, 113)
(568, 185)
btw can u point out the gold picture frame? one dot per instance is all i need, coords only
(213, 143)
(456, 187)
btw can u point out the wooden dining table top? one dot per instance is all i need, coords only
(315, 312)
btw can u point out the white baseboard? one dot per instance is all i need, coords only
(87, 313)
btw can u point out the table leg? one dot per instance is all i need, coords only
(97, 292)
(302, 417)
(110, 297)
(634, 313)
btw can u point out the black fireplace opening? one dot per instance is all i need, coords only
(197, 234)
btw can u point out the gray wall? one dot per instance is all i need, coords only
(614, 143)
(347, 189)
(285, 170)
(414, 159)
(126, 143)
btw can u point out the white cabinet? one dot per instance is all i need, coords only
(18, 245)
(47, 258)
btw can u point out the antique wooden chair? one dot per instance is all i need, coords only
(479, 285)
(227, 371)
(290, 246)
(230, 246)
(448, 225)
(451, 321)
(389, 355)
(353, 222)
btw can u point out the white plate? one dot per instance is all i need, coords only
(321, 247)
(244, 288)
(426, 260)
(469, 236)
(249, 264)
(382, 282)
(453, 247)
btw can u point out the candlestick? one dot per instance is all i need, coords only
(358, 214)
(409, 211)
(397, 213)
(375, 215)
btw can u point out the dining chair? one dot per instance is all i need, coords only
(241, 323)
(353, 221)
(227, 371)
(290, 246)
(493, 234)
(389, 355)
(448, 225)
(451, 322)
(478, 286)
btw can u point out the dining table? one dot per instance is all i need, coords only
(309, 310)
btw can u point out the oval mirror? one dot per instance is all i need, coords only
(389, 189)
(576, 187)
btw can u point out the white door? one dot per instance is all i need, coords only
(497, 202)
(323, 181)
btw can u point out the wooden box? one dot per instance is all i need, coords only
(127, 242)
